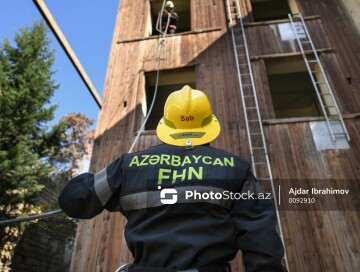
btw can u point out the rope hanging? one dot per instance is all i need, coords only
(29, 218)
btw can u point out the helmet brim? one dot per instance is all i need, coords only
(197, 136)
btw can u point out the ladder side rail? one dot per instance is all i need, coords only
(255, 95)
(242, 97)
(229, 12)
(312, 78)
(325, 77)
(238, 9)
(263, 140)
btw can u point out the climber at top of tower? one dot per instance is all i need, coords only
(169, 14)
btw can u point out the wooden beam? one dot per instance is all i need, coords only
(280, 21)
(306, 119)
(67, 48)
(292, 54)
(197, 31)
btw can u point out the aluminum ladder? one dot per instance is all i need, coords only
(329, 107)
(258, 150)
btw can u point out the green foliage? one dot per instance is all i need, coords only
(32, 154)
(27, 144)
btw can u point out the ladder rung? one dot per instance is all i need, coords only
(320, 82)
(311, 60)
(339, 135)
(244, 74)
(239, 38)
(325, 93)
(255, 133)
(260, 163)
(246, 96)
(246, 85)
(250, 108)
(330, 106)
(253, 121)
(258, 148)
(305, 41)
(266, 180)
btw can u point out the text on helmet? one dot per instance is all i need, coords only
(186, 118)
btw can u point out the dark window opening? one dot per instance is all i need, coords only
(181, 7)
(169, 81)
(267, 10)
(292, 91)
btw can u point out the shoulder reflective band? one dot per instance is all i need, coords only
(101, 185)
(150, 199)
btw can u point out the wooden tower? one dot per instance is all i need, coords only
(321, 236)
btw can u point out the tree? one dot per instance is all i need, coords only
(77, 146)
(32, 154)
(27, 144)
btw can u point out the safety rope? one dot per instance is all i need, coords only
(28, 218)
(161, 40)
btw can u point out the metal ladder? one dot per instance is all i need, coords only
(329, 107)
(258, 150)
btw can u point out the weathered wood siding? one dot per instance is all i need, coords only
(320, 237)
(318, 240)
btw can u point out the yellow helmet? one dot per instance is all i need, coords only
(188, 116)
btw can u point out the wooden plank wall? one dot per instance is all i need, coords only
(323, 237)
(312, 237)
(265, 39)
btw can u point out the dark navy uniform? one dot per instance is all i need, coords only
(174, 17)
(185, 208)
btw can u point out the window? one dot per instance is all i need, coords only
(266, 10)
(182, 8)
(169, 81)
(292, 91)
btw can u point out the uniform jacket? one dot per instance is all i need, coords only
(185, 207)
(173, 20)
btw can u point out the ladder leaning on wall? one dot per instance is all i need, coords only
(329, 107)
(258, 150)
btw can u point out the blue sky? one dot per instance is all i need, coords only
(88, 26)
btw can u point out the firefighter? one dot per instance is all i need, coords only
(169, 12)
(189, 207)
